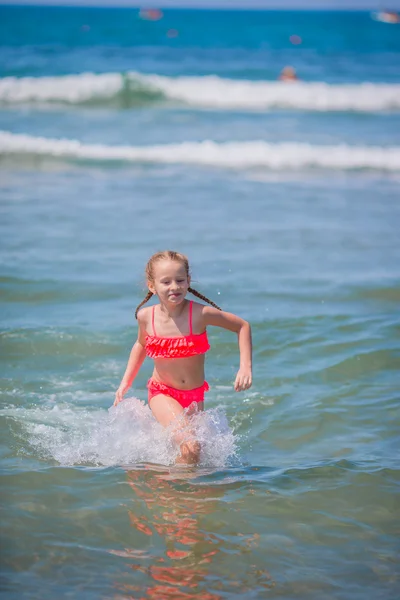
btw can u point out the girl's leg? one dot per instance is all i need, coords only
(167, 410)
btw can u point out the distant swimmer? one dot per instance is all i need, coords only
(387, 16)
(288, 74)
(151, 14)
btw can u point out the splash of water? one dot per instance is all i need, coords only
(125, 435)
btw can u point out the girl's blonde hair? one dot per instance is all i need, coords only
(178, 257)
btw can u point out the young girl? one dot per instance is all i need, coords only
(173, 333)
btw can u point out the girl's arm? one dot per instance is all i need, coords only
(136, 358)
(219, 318)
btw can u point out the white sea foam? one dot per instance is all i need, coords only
(237, 155)
(124, 435)
(202, 92)
(70, 89)
(215, 92)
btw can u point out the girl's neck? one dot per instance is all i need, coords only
(173, 312)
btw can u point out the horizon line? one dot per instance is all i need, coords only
(203, 5)
(196, 7)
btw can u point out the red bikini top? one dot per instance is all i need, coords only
(176, 347)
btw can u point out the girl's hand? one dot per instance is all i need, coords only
(119, 394)
(243, 380)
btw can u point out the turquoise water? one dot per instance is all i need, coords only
(120, 138)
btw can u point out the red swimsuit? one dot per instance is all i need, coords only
(177, 347)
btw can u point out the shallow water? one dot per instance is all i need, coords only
(297, 491)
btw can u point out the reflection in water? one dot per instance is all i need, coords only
(175, 509)
(172, 509)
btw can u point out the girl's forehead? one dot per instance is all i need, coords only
(163, 268)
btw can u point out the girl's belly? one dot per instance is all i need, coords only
(180, 373)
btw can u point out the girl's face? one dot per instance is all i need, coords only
(170, 281)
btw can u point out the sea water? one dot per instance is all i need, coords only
(121, 136)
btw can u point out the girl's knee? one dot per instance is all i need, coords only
(190, 451)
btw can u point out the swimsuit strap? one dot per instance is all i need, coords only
(190, 317)
(152, 321)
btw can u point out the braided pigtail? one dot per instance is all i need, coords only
(204, 298)
(146, 299)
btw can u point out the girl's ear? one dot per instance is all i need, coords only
(151, 287)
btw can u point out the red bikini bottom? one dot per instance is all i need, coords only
(184, 397)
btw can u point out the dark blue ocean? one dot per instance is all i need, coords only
(124, 132)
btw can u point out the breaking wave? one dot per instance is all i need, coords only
(242, 155)
(131, 89)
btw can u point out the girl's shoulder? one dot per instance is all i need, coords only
(202, 311)
(144, 314)
(200, 307)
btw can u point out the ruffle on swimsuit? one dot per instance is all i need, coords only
(177, 347)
